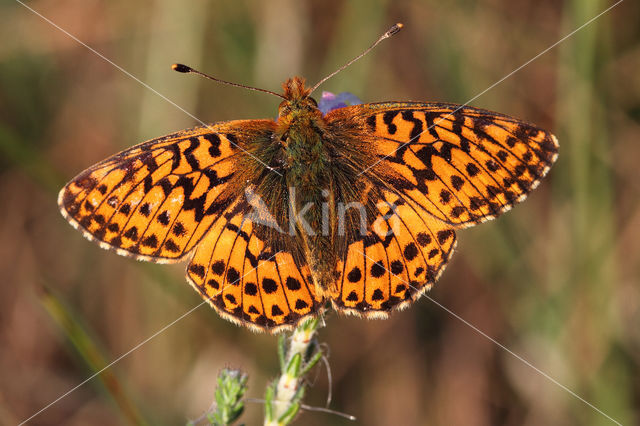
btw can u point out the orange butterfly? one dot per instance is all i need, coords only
(357, 207)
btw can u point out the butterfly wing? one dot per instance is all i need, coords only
(435, 167)
(246, 279)
(156, 200)
(401, 256)
(183, 194)
(461, 164)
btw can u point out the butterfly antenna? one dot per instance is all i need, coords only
(188, 70)
(391, 31)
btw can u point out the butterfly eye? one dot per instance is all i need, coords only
(284, 138)
(284, 108)
(313, 101)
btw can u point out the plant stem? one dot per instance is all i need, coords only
(297, 355)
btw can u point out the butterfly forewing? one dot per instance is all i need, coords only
(461, 164)
(155, 201)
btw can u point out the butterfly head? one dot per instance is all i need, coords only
(297, 100)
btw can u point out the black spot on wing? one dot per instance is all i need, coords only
(377, 270)
(417, 129)
(214, 139)
(377, 294)
(371, 122)
(188, 153)
(354, 275)
(387, 119)
(269, 286)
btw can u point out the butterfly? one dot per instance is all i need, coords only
(278, 219)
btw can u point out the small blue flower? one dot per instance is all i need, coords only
(329, 101)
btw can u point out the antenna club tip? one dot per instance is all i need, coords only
(395, 29)
(181, 68)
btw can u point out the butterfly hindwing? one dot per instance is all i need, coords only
(156, 200)
(246, 280)
(461, 164)
(400, 257)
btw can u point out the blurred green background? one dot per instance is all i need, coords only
(556, 280)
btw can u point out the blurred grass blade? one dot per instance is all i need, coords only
(72, 328)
